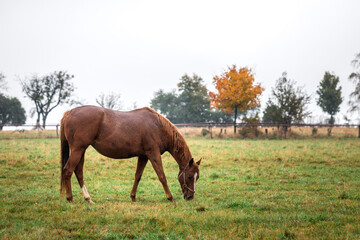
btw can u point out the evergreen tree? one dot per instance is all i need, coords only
(329, 95)
(287, 103)
(11, 111)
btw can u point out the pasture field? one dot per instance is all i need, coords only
(248, 189)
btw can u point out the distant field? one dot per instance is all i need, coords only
(28, 134)
(248, 189)
(273, 132)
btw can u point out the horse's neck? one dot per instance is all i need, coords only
(181, 153)
(177, 145)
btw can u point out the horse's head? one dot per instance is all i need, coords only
(188, 177)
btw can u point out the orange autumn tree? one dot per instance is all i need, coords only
(235, 91)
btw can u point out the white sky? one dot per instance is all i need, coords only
(138, 47)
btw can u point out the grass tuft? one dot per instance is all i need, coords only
(343, 195)
(201, 209)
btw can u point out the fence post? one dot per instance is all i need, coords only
(359, 131)
(57, 130)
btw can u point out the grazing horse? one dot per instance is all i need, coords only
(141, 133)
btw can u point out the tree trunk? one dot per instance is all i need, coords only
(331, 121)
(44, 121)
(235, 117)
(1, 127)
(329, 131)
(37, 125)
(38, 119)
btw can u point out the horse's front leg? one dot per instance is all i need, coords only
(141, 163)
(156, 162)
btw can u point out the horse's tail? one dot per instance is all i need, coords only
(65, 150)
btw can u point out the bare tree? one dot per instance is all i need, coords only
(34, 91)
(48, 92)
(134, 106)
(3, 84)
(110, 100)
(355, 77)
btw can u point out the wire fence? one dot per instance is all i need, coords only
(224, 129)
(262, 125)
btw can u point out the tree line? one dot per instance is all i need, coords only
(237, 95)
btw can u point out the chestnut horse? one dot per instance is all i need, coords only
(141, 133)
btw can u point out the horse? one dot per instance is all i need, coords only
(141, 133)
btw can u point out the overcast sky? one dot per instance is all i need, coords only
(138, 47)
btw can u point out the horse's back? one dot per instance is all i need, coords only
(115, 134)
(129, 134)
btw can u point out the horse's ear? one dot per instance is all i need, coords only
(191, 162)
(198, 162)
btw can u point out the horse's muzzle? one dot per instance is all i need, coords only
(188, 197)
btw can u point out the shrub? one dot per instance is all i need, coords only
(314, 131)
(204, 132)
(250, 132)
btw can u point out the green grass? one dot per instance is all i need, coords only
(248, 189)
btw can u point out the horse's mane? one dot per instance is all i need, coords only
(177, 140)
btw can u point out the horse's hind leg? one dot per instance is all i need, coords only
(74, 159)
(141, 163)
(80, 177)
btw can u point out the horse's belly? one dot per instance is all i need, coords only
(114, 150)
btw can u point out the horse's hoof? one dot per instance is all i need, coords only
(133, 199)
(89, 201)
